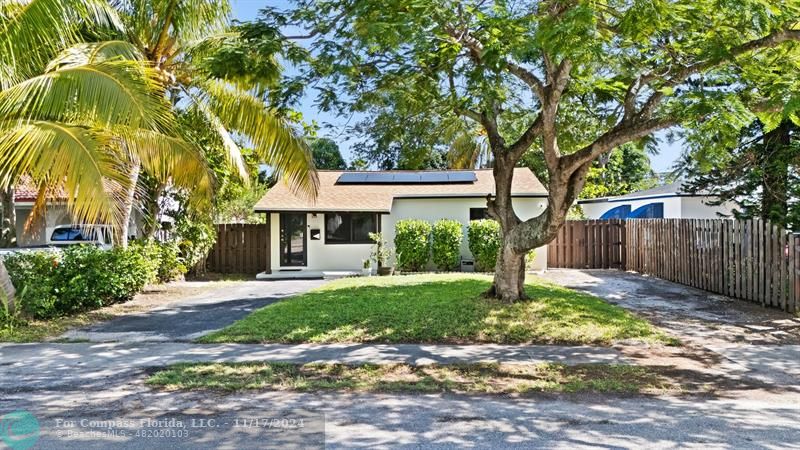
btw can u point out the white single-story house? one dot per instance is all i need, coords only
(330, 234)
(669, 201)
(56, 214)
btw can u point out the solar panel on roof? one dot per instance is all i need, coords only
(406, 177)
(379, 177)
(461, 177)
(434, 177)
(388, 177)
(352, 177)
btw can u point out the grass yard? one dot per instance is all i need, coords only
(437, 308)
(482, 378)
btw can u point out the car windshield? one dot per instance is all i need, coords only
(70, 234)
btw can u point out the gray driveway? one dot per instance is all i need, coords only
(762, 343)
(187, 319)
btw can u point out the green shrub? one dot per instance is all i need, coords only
(484, 243)
(34, 273)
(89, 277)
(167, 264)
(171, 266)
(446, 244)
(80, 278)
(412, 244)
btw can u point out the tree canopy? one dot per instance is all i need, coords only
(573, 79)
(326, 154)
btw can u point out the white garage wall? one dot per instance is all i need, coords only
(672, 207)
(349, 256)
(694, 208)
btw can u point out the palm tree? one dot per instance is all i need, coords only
(98, 114)
(175, 37)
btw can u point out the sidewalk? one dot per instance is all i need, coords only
(31, 366)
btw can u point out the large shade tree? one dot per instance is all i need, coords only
(573, 79)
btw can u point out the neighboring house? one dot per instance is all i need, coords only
(56, 214)
(331, 234)
(669, 201)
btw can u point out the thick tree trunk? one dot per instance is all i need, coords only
(519, 237)
(128, 202)
(8, 226)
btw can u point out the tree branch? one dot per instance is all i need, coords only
(534, 130)
(622, 133)
(475, 48)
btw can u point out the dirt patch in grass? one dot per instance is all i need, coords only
(438, 308)
(483, 378)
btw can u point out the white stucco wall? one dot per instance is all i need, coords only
(323, 256)
(694, 208)
(674, 207)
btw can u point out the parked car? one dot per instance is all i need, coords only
(66, 235)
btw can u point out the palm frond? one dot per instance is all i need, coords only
(466, 150)
(32, 31)
(273, 139)
(82, 161)
(152, 21)
(232, 151)
(104, 94)
(94, 52)
(173, 161)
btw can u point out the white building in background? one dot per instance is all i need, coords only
(309, 237)
(669, 201)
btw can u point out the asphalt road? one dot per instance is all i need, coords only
(272, 420)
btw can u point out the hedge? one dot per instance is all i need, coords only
(446, 244)
(484, 243)
(412, 244)
(82, 278)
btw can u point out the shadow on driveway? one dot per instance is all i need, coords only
(188, 319)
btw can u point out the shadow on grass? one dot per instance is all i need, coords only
(437, 309)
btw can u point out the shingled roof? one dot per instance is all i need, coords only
(335, 196)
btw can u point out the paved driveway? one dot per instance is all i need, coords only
(761, 343)
(187, 319)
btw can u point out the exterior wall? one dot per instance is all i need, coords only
(349, 257)
(674, 207)
(694, 208)
(319, 255)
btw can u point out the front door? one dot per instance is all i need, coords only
(293, 239)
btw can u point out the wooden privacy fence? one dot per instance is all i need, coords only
(589, 244)
(747, 259)
(240, 248)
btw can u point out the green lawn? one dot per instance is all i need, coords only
(484, 378)
(434, 308)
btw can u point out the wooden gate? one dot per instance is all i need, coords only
(240, 248)
(589, 244)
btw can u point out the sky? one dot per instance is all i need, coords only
(245, 10)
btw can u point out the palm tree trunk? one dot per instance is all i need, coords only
(153, 211)
(7, 291)
(130, 197)
(8, 225)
